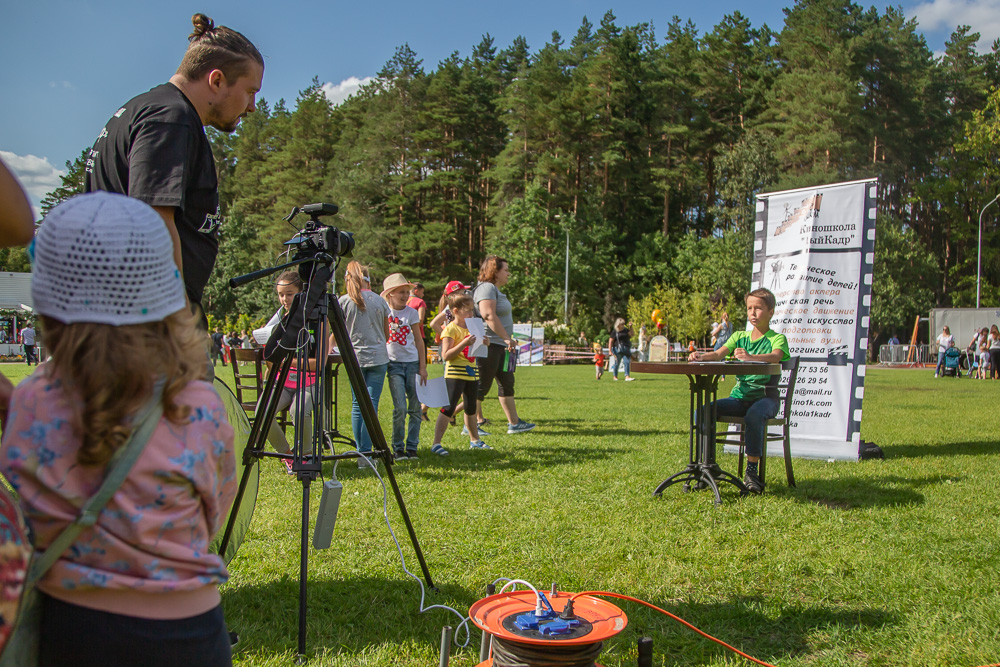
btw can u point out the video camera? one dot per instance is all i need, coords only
(316, 238)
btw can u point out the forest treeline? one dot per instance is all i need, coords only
(640, 148)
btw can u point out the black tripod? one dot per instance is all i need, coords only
(307, 320)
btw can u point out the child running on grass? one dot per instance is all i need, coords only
(598, 359)
(460, 374)
(407, 359)
(139, 586)
(755, 397)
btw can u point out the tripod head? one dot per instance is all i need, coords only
(313, 242)
(316, 238)
(317, 248)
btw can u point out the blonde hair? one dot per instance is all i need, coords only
(111, 370)
(459, 301)
(619, 324)
(356, 276)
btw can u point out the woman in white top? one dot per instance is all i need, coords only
(944, 341)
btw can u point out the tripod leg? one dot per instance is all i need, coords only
(303, 567)
(370, 418)
(258, 436)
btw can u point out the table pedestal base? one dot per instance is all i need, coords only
(704, 475)
(703, 381)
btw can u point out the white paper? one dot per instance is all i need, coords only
(264, 333)
(480, 348)
(434, 394)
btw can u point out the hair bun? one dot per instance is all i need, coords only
(202, 24)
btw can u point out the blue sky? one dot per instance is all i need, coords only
(68, 65)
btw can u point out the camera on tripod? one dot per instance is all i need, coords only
(316, 238)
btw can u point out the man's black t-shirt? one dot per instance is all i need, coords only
(155, 149)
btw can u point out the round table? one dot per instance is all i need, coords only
(703, 379)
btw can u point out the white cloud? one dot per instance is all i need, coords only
(338, 92)
(37, 176)
(982, 15)
(61, 84)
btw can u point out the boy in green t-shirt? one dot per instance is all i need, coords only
(755, 397)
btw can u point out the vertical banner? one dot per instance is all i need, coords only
(522, 334)
(814, 249)
(537, 345)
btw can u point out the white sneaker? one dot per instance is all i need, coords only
(629, 379)
(520, 427)
(616, 378)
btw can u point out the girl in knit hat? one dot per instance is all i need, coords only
(139, 587)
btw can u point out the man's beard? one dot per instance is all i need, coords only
(225, 126)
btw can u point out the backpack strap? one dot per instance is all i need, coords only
(120, 465)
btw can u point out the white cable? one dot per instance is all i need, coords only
(515, 582)
(385, 513)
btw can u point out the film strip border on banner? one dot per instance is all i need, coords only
(863, 305)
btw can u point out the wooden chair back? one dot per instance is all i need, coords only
(786, 395)
(248, 366)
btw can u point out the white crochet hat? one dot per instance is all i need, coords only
(108, 259)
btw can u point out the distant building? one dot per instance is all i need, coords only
(15, 308)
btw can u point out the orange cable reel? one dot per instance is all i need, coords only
(532, 625)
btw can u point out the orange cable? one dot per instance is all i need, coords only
(681, 621)
(685, 623)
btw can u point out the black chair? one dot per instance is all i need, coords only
(786, 389)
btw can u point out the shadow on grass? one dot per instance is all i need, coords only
(848, 493)
(971, 448)
(351, 615)
(343, 615)
(461, 461)
(590, 428)
(740, 623)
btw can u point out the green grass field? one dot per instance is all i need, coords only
(874, 563)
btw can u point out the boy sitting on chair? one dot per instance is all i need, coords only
(755, 397)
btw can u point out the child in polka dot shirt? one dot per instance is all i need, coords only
(407, 360)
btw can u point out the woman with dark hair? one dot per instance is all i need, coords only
(495, 308)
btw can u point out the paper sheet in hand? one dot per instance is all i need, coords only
(434, 394)
(264, 333)
(475, 326)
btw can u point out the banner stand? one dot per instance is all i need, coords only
(815, 249)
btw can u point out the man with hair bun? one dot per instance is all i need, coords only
(154, 148)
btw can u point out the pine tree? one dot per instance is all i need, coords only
(71, 183)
